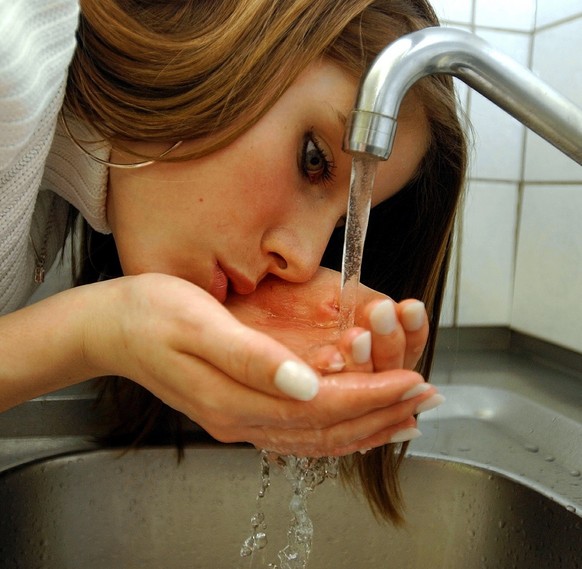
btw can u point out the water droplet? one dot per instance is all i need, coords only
(530, 447)
(571, 509)
(258, 519)
(575, 473)
(260, 540)
(550, 458)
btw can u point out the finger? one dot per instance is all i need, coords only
(412, 315)
(326, 359)
(382, 425)
(355, 344)
(338, 417)
(332, 442)
(374, 429)
(388, 338)
(395, 424)
(246, 355)
(403, 432)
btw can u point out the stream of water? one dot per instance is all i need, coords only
(305, 474)
(359, 203)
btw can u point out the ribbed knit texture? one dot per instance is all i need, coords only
(37, 41)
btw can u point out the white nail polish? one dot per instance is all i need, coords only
(416, 390)
(336, 364)
(405, 435)
(430, 403)
(383, 318)
(362, 348)
(412, 316)
(297, 380)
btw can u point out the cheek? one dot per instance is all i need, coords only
(261, 181)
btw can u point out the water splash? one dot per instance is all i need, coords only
(257, 540)
(359, 203)
(304, 475)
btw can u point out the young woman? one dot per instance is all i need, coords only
(201, 142)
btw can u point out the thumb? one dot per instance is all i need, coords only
(254, 358)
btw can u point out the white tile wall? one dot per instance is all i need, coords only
(533, 288)
(564, 73)
(498, 136)
(457, 11)
(551, 11)
(487, 254)
(548, 278)
(449, 300)
(513, 15)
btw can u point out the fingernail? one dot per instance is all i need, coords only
(364, 450)
(430, 403)
(383, 318)
(413, 316)
(362, 348)
(405, 435)
(336, 364)
(416, 390)
(297, 380)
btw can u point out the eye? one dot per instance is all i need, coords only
(315, 164)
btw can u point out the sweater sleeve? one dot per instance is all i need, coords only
(37, 42)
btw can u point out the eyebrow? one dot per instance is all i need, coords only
(341, 118)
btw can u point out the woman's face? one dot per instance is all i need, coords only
(265, 204)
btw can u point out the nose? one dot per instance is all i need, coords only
(295, 252)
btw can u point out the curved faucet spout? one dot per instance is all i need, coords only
(506, 83)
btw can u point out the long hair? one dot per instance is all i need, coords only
(210, 69)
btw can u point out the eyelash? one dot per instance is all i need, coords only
(327, 174)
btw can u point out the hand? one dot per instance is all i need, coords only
(304, 317)
(180, 343)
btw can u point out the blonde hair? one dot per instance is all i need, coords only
(210, 69)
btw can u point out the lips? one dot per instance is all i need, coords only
(241, 284)
(222, 278)
(219, 285)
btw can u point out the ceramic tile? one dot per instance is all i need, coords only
(498, 137)
(487, 254)
(453, 11)
(549, 266)
(551, 11)
(563, 73)
(515, 15)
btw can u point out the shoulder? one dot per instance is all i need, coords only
(37, 42)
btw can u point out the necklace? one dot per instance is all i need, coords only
(40, 256)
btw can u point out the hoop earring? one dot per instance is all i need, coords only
(130, 166)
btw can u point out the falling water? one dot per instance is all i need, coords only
(361, 185)
(305, 474)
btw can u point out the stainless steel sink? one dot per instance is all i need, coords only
(97, 509)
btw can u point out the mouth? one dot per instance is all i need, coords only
(225, 278)
(241, 284)
(219, 286)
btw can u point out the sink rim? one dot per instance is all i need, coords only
(415, 454)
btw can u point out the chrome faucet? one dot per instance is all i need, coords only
(512, 87)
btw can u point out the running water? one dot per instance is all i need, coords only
(361, 185)
(305, 474)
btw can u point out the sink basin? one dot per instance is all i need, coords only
(100, 510)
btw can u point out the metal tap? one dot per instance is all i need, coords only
(512, 87)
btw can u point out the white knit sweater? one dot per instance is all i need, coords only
(37, 41)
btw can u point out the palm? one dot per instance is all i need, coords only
(303, 316)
